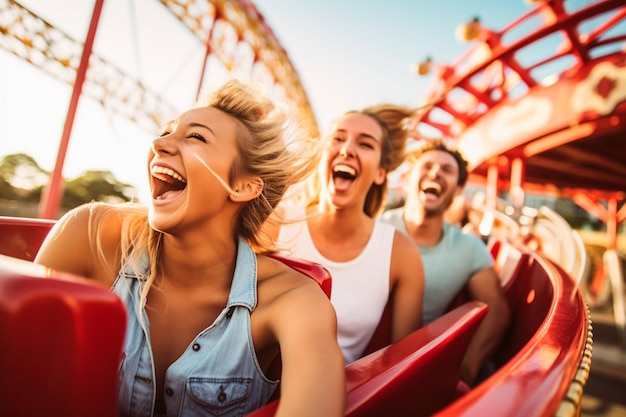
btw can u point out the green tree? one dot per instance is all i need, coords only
(22, 182)
(19, 176)
(96, 186)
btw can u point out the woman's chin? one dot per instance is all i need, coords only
(161, 220)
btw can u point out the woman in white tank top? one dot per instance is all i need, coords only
(370, 263)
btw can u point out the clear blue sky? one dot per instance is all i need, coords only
(348, 53)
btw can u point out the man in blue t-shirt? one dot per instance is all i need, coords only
(452, 260)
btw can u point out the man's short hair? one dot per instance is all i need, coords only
(439, 145)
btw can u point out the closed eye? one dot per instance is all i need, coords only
(197, 136)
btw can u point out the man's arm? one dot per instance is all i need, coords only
(485, 286)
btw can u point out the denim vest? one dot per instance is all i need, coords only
(217, 375)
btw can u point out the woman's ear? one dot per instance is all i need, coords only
(380, 176)
(247, 190)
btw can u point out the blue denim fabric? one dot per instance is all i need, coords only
(217, 375)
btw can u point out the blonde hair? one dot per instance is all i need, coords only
(265, 152)
(270, 147)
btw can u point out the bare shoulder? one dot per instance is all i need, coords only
(289, 303)
(74, 230)
(286, 293)
(405, 253)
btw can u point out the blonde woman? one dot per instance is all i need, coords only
(207, 313)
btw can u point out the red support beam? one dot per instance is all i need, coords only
(609, 215)
(516, 187)
(492, 186)
(207, 53)
(51, 197)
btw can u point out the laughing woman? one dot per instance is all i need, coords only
(370, 263)
(207, 314)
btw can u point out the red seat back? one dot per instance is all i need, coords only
(61, 343)
(21, 237)
(415, 376)
(313, 270)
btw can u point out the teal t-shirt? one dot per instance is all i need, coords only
(447, 266)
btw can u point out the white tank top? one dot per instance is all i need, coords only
(360, 287)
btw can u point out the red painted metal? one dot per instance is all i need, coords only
(553, 124)
(311, 269)
(562, 115)
(207, 53)
(542, 351)
(51, 198)
(61, 343)
(385, 381)
(21, 237)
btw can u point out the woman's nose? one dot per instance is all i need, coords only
(163, 145)
(347, 148)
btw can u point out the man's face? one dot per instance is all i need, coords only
(434, 178)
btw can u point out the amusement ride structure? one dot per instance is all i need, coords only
(235, 39)
(540, 106)
(552, 123)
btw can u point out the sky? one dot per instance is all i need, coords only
(348, 53)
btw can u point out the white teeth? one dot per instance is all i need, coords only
(168, 171)
(344, 168)
(430, 185)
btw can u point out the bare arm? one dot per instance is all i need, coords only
(313, 373)
(407, 273)
(485, 286)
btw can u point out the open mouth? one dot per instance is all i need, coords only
(166, 182)
(343, 175)
(431, 188)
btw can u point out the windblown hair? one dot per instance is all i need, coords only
(393, 121)
(270, 147)
(266, 152)
(439, 145)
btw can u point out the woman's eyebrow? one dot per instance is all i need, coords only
(195, 124)
(360, 134)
